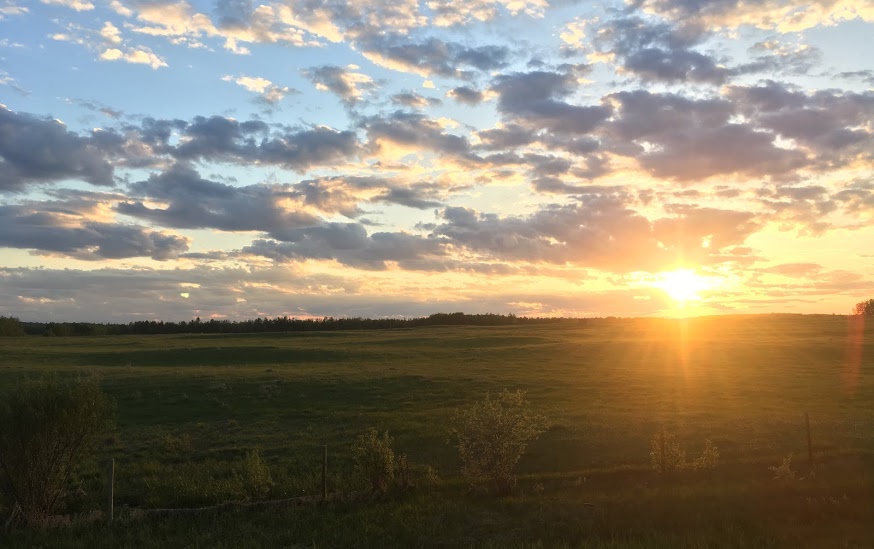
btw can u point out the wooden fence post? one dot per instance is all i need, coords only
(325, 474)
(110, 489)
(809, 443)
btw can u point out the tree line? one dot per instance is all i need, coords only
(10, 326)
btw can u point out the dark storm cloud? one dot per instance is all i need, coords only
(42, 150)
(46, 231)
(197, 203)
(533, 99)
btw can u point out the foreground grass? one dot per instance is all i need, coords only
(191, 406)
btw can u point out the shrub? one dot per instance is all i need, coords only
(492, 435)
(666, 454)
(709, 458)
(375, 459)
(784, 472)
(47, 427)
(257, 481)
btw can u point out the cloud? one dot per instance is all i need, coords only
(42, 150)
(221, 139)
(193, 202)
(599, 231)
(781, 15)
(659, 51)
(416, 131)
(448, 13)
(141, 56)
(414, 100)
(10, 8)
(268, 92)
(348, 85)
(59, 232)
(831, 125)
(692, 139)
(466, 95)
(77, 5)
(533, 99)
(349, 244)
(433, 57)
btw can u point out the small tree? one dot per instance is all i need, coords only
(47, 427)
(375, 459)
(492, 435)
(864, 308)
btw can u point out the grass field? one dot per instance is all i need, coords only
(190, 407)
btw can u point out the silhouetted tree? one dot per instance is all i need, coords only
(864, 308)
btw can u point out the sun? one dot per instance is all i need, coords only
(683, 285)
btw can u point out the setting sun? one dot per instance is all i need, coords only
(683, 285)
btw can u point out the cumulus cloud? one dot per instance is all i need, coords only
(433, 56)
(535, 99)
(348, 85)
(691, 139)
(42, 150)
(267, 91)
(47, 231)
(781, 15)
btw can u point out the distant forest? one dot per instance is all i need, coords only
(10, 326)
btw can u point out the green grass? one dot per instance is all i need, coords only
(191, 406)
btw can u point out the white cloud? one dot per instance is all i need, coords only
(78, 5)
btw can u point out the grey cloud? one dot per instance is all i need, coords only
(415, 129)
(532, 99)
(196, 203)
(234, 13)
(599, 231)
(688, 139)
(343, 82)
(221, 139)
(829, 123)
(51, 232)
(414, 100)
(347, 243)
(42, 150)
(466, 95)
(435, 56)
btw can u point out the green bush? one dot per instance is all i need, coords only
(375, 459)
(492, 435)
(47, 428)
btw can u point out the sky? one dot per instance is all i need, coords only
(165, 159)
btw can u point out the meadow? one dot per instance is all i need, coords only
(191, 406)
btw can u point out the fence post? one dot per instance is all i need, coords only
(809, 443)
(325, 474)
(110, 489)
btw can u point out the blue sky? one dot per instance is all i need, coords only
(236, 158)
